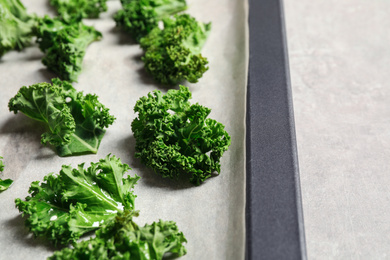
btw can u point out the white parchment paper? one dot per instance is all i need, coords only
(212, 215)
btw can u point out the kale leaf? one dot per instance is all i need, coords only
(174, 137)
(77, 9)
(75, 122)
(121, 238)
(1, 164)
(15, 26)
(173, 54)
(64, 43)
(77, 201)
(4, 184)
(139, 17)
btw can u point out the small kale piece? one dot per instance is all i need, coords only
(75, 122)
(139, 17)
(121, 238)
(4, 184)
(64, 43)
(77, 201)
(173, 54)
(78, 9)
(15, 26)
(174, 137)
(1, 164)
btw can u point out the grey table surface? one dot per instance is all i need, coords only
(339, 55)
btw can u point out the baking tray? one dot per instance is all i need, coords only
(274, 216)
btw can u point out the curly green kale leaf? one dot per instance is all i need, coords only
(64, 44)
(65, 206)
(139, 17)
(75, 122)
(4, 184)
(15, 26)
(173, 54)
(121, 238)
(77, 9)
(174, 137)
